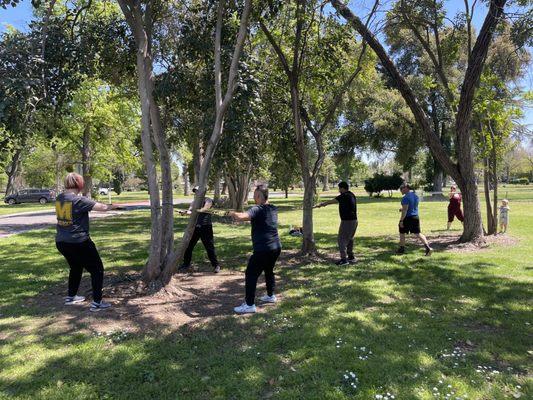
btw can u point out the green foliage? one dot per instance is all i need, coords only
(519, 181)
(381, 182)
(111, 119)
(118, 181)
(38, 171)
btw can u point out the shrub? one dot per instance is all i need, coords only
(381, 182)
(519, 181)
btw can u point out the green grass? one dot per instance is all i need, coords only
(408, 311)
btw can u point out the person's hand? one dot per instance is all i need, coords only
(231, 214)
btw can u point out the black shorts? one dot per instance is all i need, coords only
(410, 225)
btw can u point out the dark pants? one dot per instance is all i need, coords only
(205, 233)
(455, 212)
(260, 261)
(80, 256)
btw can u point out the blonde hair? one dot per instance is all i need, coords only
(74, 181)
(505, 201)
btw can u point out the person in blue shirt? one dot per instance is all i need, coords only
(409, 220)
(266, 248)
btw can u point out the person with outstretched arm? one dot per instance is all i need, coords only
(266, 248)
(348, 214)
(409, 219)
(74, 242)
(204, 232)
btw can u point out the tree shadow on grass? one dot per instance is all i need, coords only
(411, 312)
(302, 348)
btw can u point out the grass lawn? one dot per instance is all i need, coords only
(455, 325)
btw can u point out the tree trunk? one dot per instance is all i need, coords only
(152, 268)
(167, 214)
(12, 171)
(495, 188)
(186, 184)
(486, 183)
(86, 162)
(473, 224)
(438, 179)
(216, 189)
(286, 192)
(325, 187)
(238, 189)
(308, 242)
(221, 107)
(197, 161)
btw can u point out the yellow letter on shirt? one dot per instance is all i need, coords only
(64, 213)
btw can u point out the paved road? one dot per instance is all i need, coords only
(27, 221)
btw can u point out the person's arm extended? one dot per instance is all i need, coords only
(104, 207)
(325, 203)
(208, 204)
(239, 216)
(404, 209)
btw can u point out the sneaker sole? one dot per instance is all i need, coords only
(73, 303)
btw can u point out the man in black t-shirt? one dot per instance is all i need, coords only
(204, 232)
(348, 213)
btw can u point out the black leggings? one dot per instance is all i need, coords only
(204, 233)
(260, 261)
(79, 256)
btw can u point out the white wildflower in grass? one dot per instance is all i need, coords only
(350, 380)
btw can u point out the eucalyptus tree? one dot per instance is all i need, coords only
(429, 16)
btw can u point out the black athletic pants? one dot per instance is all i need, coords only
(260, 261)
(205, 233)
(79, 256)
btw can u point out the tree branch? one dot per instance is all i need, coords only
(400, 83)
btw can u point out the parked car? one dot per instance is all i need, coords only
(42, 196)
(104, 191)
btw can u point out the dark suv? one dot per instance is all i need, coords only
(42, 196)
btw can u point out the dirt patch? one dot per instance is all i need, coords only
(450, 242)
(195, 298)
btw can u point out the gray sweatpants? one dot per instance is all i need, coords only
(346, 234)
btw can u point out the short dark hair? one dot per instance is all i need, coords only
(343, 185)
(264, 191)
(405, 185)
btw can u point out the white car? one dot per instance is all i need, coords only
(104, 191)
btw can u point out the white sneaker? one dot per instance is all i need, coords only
(245, 309)
(70, 300)
(269, 299)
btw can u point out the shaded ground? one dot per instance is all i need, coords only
(194, 298)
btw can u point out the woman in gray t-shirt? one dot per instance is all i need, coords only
(266, 246)
(75, 244)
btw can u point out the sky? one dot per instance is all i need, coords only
(20, 16)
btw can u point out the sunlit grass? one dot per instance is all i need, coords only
(408, 313)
